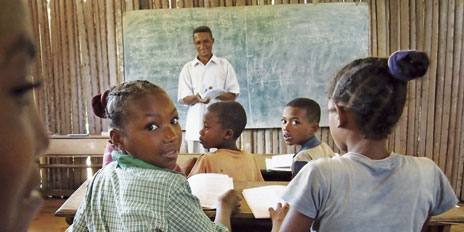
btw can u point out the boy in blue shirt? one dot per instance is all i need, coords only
(300, 121)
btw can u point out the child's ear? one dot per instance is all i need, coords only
(342, 116)
(315, 127)
(116, 138)
(229, 134)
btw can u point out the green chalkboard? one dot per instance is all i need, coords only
(279, 52)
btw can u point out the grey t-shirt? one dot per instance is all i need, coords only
(354, 193)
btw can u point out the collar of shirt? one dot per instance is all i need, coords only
(312, 142)
(213, 59)
(128, 161)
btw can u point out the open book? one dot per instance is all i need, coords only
(209, 186)
(260, 199)
(280, 162)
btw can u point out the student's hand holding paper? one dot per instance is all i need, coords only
(228, 203)
(230, 199)
(278, 215)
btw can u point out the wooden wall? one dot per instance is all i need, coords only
(80, 54)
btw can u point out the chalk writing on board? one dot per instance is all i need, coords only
(278, 52)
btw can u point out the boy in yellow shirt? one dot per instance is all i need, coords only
(300, 121)
(223, 123)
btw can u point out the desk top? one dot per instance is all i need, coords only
(70, 206)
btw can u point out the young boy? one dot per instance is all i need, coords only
(300, 121)
(223, 123)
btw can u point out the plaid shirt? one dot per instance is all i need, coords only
(127, 197)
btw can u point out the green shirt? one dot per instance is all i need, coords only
(131, 195)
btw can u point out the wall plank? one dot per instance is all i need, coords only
(81, 53)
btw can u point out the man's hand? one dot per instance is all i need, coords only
(194, 99)
(227, 96)
(201, 100)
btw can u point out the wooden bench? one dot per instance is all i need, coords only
(70, 160)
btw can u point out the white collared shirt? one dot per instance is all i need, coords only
(196, 77)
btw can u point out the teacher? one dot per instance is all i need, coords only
(206, 74)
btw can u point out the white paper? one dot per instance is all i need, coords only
(260, 199)
(282, 161)
(209, 186)
(270, 167)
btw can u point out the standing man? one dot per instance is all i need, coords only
(205, 72)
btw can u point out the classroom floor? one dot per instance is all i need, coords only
(46, 221)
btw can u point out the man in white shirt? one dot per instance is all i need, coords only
(205, 72)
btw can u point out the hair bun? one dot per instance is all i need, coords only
(99, 104)
(406, 65)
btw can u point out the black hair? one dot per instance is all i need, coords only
(313, 110)
(113, 104)
(376, 93)
(231, 115)
(202, 29)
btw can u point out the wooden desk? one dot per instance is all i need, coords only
(70, 206)
(244, 216)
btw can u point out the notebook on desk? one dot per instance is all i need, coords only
(260, 199)
(209, 186)
(280, 162)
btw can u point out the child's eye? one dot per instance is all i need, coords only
(152, 127)
(294, 122)
(283, 121)
(175, 121)
(20, 92)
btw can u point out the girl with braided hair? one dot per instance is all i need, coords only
(138, 192)
(99, 103)
(369, 188)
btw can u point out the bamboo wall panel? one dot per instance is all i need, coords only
(80, 53)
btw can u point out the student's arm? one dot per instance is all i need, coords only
(296, 221)
(228, 203)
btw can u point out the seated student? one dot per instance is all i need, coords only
(23, 135)
(369, 188)
(300, 121)
(97, 102)
(223, 123)
(138, 192)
